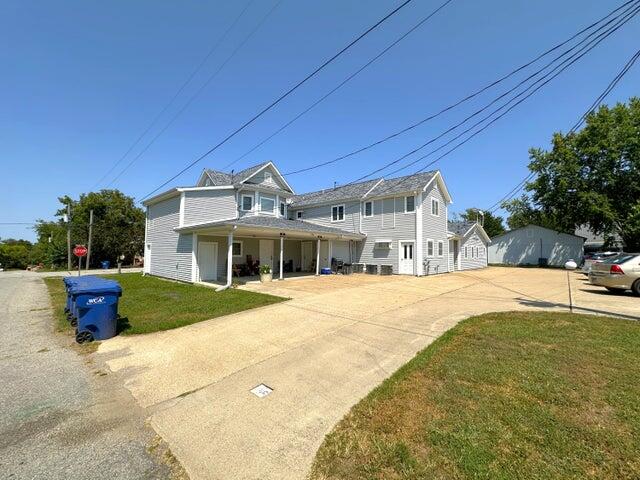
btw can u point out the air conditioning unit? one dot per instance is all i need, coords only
(383, 244)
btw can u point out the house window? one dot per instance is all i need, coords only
(337, 213)
(383, 244)
(429, 248)
(435, 207)
(409, 204)
(299, 214)
(440, 248)
(267, 204)
(237, 248)
(368, 209)
(282, 209)
(466, 252)
(247, 203)
(267, 175)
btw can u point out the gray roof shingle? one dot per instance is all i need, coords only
(459, 228)
(358, 190)
(222, 178)
(277, 223)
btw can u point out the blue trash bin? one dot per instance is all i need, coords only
(105, 264)
(325, 271)
(72, 285)
(96, 306)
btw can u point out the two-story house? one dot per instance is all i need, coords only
(229, 223)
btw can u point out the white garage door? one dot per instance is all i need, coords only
(341, 251)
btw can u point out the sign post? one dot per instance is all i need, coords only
(79, 251)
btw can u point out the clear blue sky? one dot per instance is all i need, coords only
(81, 80)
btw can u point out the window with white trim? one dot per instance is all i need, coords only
(237, 248)
(267, 204)
(267, 175)
(435, 207)
(466, 252)
(299, 214)
(283, 209)
(337, 213)
(429, 248)
(409, 204)
(440, 248)
(247, 203)
(368, 209)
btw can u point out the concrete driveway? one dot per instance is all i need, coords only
(336, 339)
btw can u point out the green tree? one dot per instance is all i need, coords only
(14, 253)
(118, 228)
(591, 177)
(492, 223)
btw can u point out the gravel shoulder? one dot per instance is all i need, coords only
(62, 415)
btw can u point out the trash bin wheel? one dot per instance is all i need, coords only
(84, 337)
(74, 322)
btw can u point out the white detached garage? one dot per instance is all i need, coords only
(534, 245)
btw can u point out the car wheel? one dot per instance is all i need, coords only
(615, 290)
(635, 288)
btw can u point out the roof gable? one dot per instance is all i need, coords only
(257, 175)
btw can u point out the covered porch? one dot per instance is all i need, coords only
(234, 250)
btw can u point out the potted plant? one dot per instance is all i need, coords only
(265, 273)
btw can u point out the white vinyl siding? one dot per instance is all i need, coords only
(321, 215)
(208, 206)
(475, 249)
(388, 223)
(170, 251)
(435, 228)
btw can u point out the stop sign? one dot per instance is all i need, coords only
(80, 250)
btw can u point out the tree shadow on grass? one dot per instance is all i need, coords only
(576, 308)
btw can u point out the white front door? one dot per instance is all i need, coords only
(266, 253)
(208, 261)
(406, 259)
(307, 256)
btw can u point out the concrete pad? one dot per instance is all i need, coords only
(323, 350)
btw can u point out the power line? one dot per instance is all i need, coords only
(211, 51)
(340, 85)
(199, 91)
(461, 101)
(282, 97)
(593, 106)
(604, 35)
(571, 60)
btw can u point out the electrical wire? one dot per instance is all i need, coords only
(279, 99)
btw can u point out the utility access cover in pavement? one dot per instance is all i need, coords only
(261, 390)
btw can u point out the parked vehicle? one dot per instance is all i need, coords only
(597, 257)
(618, 273)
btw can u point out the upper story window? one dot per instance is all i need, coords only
(368, 209)
(409, 204)
(267, 204)
(299, 214)
(247, 203)
(283, 209)
(267, 175)
(337, 213)
(435, 207)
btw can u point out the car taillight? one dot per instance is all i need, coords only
(616, 270)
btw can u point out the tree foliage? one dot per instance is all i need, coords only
(591, 177)
(118, 228)
(493, 224)
(14, 253)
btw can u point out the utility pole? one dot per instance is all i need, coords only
(68, 220)
(89, 245)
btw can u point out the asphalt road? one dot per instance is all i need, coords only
(61, 415)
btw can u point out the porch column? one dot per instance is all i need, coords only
(318, 257)
(230, 258)
(281, 255)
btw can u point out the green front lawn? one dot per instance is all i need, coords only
(150, 304)
(501, 396)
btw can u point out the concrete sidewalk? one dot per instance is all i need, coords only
(322, 351)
